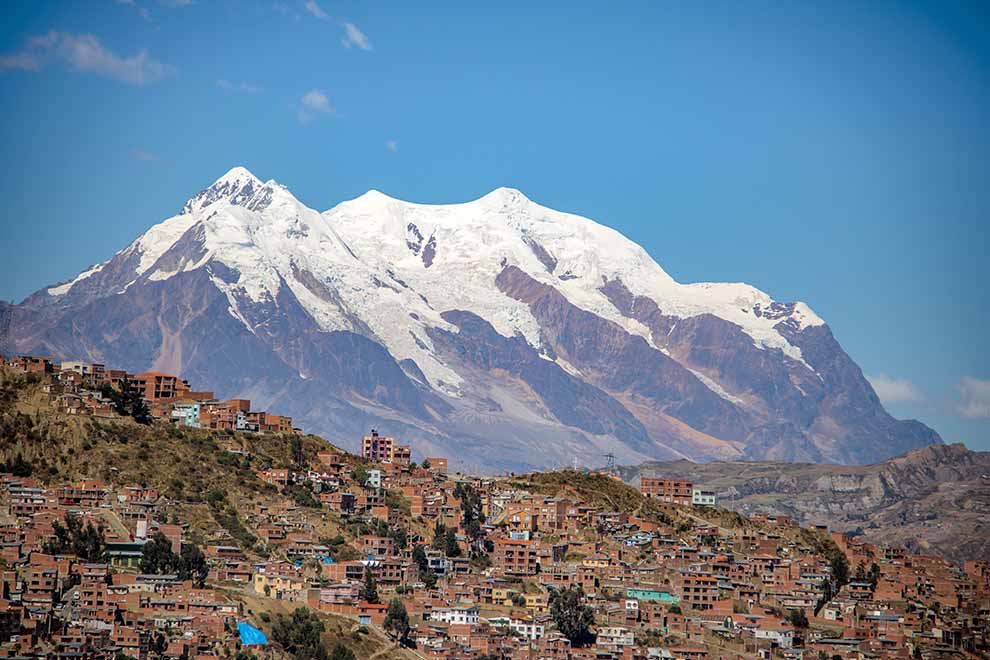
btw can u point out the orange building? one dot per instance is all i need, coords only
(516, 557)
(673, 491)
(438, 465)
(154, 385)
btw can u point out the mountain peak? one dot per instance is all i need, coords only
(238, 186)
(237, 173)
(505, 198)
(375, 196)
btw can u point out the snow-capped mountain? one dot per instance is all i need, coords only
(499, 332)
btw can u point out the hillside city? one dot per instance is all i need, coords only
(140, 518)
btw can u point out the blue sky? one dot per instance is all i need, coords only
(834, 152)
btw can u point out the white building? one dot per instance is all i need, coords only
(374, 479)
(186, 414)
(781, 636)
(615, 637)
(82, 368)
(702, 497)
(527, 629)
(457, 615)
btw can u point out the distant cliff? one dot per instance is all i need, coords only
(934, 499)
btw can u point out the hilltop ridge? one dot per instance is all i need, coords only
(932, 499)
(165, 540)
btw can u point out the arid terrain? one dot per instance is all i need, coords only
(935, 499)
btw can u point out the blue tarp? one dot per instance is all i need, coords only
(251, 636)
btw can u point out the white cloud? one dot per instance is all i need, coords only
(143, 12)
(354, 37)
(312, 103)
(144, 154)
(975, 395)
(84, 53)
(24, 61)
(243, 87)
(316, 10)
(286, 10)
(392, 146)
(895, 390)
(175, 4)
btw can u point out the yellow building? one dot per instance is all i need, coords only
(280, 587)
(537, 602)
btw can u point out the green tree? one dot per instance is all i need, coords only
(450, 545)
(304, 497)
(341, 652)
(88, 543)
(429, 579)
(397, 621)
(400, 536)
(91, 543)
(299, 634)
(874, 575)
(470, 503)
(157, 558)
(117, 397)
(419, 556)
(158, 644)
(127, 401)
(572, 617)
(369, 590)
(473, 517)
(797, 618)
(140, 411)
(425, 464)
(298, 451)
(192, 565)
(360, 475)
(439, 535)
(19, 467)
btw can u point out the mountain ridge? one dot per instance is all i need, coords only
(931, 499)
(699, 370)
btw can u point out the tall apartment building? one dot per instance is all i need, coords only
(154, 386)
(698, 588)
(673, 491)
(517, 557)
(93, 373)
(383, 449)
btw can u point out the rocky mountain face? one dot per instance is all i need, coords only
(498, 332)
(933, 499)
